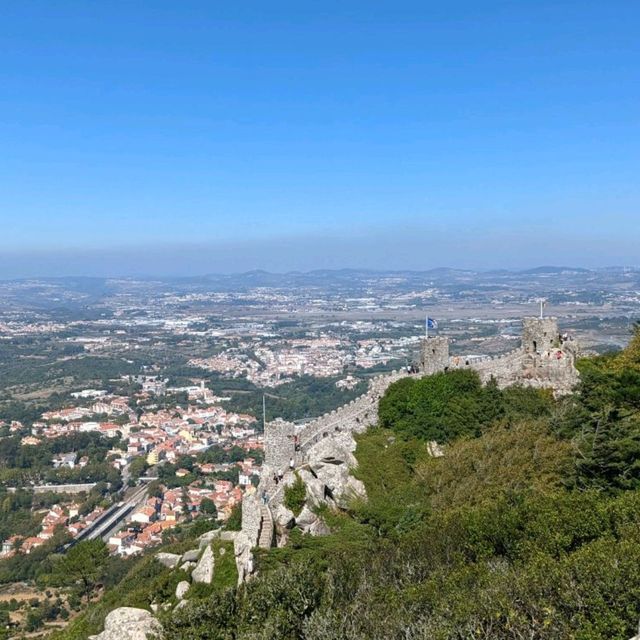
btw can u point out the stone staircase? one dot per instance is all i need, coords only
(265, 540)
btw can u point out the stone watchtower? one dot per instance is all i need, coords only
(434, 355)
(540, 335)
(279, 444)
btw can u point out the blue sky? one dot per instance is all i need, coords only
(186, 137)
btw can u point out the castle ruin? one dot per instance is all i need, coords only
(321, 450)
(545, 359)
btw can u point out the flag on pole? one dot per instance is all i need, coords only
(430, 323)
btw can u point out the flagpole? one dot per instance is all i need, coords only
(426, 327)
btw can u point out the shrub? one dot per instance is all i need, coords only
(295, 496)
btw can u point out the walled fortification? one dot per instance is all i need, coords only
(545, 359)
(284, 441)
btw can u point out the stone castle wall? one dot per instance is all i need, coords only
(355, 416)
(545, 360)
(285, 440)
(503, 367)
(251, 517)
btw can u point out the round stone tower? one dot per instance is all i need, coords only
(540, 334)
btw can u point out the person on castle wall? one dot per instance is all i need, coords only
(280, 475)
(276, 479)
(292, 464)
(264, 497)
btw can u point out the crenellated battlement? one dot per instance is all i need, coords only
(285, 440)
(546, 359)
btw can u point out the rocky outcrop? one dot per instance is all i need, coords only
(228, 536)
(315, 487)
(191, 556)
(246, 539)
(169, 560)
(318, 528)
(339, 447)
(338, 484)
(203, 571)
(128, 623)
(434, 449)
(181, 589)
(242, 546)
(305, 518)
(283, 518)
(208, 537)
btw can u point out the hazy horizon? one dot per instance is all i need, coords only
(134, 263)
(305, 254)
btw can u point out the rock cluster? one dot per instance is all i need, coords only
(128, 623)
(181, 589)
(169, 560)
(191, 556)
(199, 563)
(242, 546)
(328, 482)
(204, 569)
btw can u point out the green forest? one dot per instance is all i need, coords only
(527, 528)
(22, 465)
(303, 398)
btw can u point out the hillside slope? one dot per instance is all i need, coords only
(527, 527)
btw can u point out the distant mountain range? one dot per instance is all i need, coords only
(273, 278)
